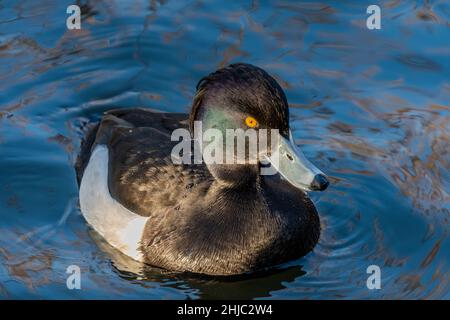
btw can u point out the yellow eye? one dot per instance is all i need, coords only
(251, 122)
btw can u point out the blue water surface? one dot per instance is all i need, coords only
(370, 107)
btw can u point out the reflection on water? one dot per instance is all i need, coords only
(370, 107)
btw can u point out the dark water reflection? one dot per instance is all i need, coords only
(370, 107)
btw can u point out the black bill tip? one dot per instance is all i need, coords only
(319, 183)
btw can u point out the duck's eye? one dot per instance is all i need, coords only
(251, 122)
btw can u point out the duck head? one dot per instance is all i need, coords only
(242, 96)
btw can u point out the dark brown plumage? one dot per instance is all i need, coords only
(199, 222)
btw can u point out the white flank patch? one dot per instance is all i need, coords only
(119, 226)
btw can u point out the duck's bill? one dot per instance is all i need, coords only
(292, 165)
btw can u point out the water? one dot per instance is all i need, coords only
(371, 108)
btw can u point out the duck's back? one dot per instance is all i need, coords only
(142, 176)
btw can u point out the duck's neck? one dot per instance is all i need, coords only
(236, 176)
